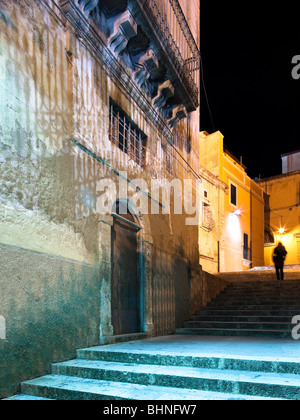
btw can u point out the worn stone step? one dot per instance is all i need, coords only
(234, 332)
(241, 318)
(216, 380)
(252, 307)
(229, 302)
(288, 291)
(265, 286)
(245, 312)
(239, 325)
(252, 297)
(22, 397)
(73, 388)
(159, 358)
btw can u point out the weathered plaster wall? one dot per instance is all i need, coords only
(51, 306)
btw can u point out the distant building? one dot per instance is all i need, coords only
(282, 209)
(291, 162)
(236, 242)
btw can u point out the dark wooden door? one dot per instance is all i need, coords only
(125, 284)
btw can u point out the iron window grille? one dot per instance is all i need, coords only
(207, 218)
(126, 135)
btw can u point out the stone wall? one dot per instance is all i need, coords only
(51, 306)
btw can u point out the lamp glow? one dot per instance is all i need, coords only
(237, 213)
(281, 231)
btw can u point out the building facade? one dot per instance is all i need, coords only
(235, 240)
(282, 214)
(99, 116)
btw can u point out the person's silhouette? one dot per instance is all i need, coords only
(279, 256)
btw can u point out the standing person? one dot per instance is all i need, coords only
(279, 256)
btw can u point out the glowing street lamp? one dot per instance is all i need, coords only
(281, 231)
(237, 212)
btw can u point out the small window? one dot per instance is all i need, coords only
(126, 135)
(246, 253)
(233, 195)
(205, 194)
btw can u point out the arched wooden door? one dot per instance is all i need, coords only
(125, 283)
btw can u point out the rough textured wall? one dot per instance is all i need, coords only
(51, 307)
(50, 287)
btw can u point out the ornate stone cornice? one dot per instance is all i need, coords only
(78, 18)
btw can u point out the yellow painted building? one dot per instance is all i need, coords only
(282, 215)
(239, 230)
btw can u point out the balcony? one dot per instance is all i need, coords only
(165, 22)
(154, 41)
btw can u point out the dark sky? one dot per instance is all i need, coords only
(247, 56)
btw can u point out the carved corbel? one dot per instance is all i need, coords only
(125, 28)
(146, 65)
(165, 92)
(180, 114)
(86, 6)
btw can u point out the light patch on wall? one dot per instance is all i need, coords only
(2, 328)
(234, 228)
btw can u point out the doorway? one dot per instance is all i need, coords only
(125, 292)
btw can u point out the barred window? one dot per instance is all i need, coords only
(207, 218)
(126, 135)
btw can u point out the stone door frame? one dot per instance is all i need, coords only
(145, 252)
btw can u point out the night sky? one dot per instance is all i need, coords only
(247, 56)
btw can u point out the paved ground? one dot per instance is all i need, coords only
(272, 268)
(236, 347)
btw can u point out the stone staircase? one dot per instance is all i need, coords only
(123, 373)
(256, 309)
(194, 364)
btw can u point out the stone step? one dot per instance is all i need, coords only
(274, 302)
(244, 312)
(252, 296)
(248, 297)
(234, 332)
(287, 326)
(232, 303)
(163, 358)
(216, 380)
(73, 388)
(22, 397)
(241, 318)
(278, 285)
(252, 307)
